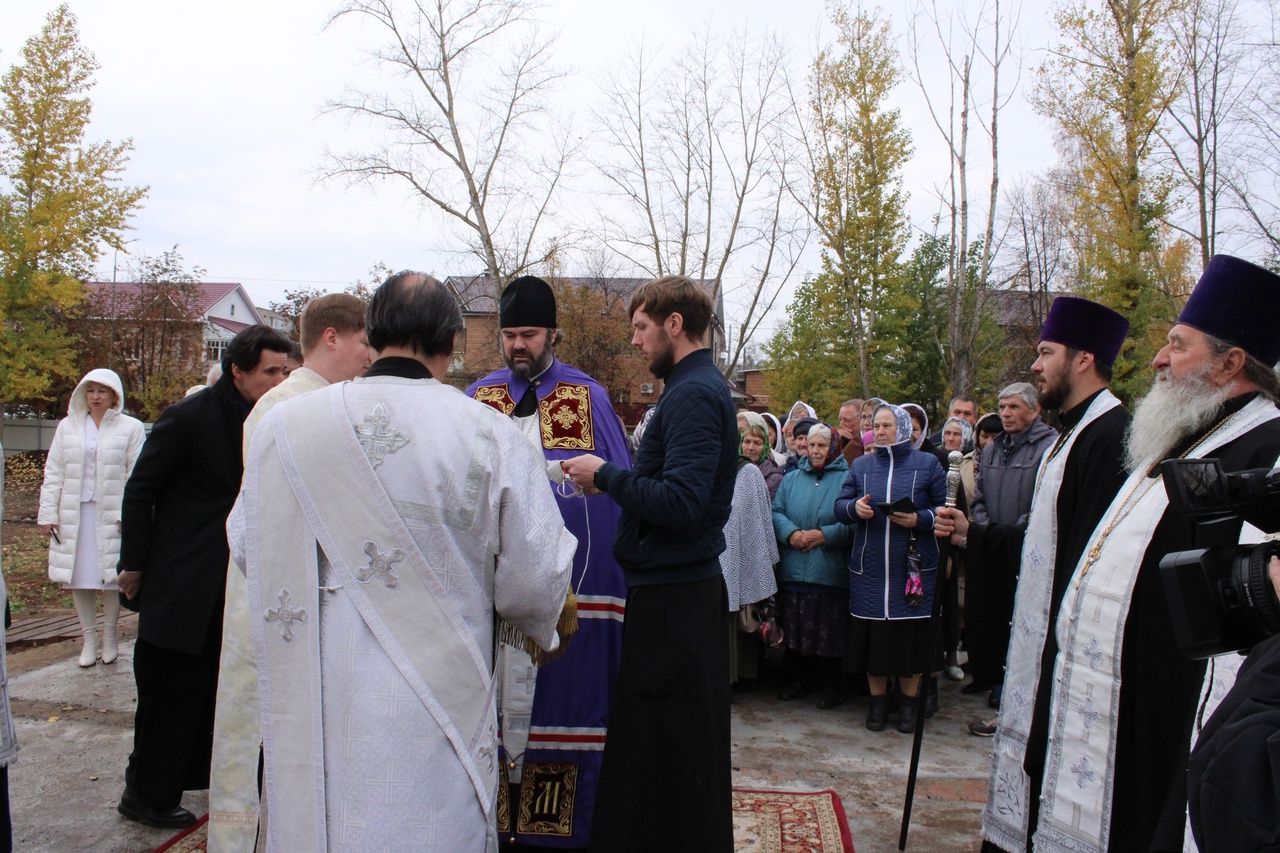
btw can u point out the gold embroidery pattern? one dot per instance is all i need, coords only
(497, 397)
(565, 418)
(546, 799)
(504, 803)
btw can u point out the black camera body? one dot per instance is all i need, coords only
(1220, 598)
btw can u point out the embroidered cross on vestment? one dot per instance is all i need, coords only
(286, 616)
(377, 437)
(380, 565)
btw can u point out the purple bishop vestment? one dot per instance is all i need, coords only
(573, 694)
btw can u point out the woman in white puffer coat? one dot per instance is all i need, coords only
(91, 457)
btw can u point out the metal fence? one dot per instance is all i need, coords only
(19, 435)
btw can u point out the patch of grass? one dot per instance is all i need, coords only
(26, 570)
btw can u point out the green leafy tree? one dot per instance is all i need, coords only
(62, 198)
(856, 149)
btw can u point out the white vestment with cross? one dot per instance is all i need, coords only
(382, 523)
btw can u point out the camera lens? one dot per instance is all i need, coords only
(1255, 588)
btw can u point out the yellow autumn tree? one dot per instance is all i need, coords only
(1107, 85)
(62, 200)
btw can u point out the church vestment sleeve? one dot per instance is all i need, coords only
(535, 550)
(676, 500)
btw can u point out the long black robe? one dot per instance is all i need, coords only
(1093, 473)
(1159, 686)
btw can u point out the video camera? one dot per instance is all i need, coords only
(1220, 598)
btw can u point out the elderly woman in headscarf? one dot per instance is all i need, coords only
(750, 553)
(889, 497)
(755, 447)
(957, 433)
(800, 411)
(813, 604)
(776, 442)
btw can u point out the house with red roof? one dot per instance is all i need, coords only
(223, 308)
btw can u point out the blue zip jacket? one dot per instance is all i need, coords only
(677, 496)
(878, 562)
(806, 501)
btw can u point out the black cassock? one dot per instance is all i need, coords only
(1159, 686)
(1091, 477)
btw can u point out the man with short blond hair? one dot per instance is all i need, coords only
(335, 349)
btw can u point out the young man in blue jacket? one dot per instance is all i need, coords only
(665, 784)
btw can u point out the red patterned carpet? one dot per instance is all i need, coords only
(190, 840)
(763, 822)
(789, 822)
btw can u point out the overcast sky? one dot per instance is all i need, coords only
(223, 101)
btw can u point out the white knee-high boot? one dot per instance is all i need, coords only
(86, 608)
(110, 616)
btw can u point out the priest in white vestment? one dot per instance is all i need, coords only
(334, 349)
(384, 524)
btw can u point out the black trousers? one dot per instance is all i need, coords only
(665, 784)
(173, 726)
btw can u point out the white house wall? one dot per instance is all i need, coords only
(235, 306)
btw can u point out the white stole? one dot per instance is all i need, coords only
(1004, 820)
(380, 567)
(1079, 783)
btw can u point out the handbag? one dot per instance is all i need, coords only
(748, 619)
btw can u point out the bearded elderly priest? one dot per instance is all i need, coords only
(382, 524)
(1123, 697)
(554, 718)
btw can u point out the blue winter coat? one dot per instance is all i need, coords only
(878, 562)
(806, 501)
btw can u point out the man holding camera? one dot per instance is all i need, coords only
(1123, 696)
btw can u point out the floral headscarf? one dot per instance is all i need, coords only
(903, 421)
(756, 419)
(966, 429)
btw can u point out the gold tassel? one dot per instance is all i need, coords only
(566, 627)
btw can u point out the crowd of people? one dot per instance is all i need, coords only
(384, 614)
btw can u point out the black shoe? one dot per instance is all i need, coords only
(878, 713)
(993, 698)
(907, 720)
(930, 705)
(833, 699)
(133, 807)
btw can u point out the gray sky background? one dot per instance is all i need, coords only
(223, 101)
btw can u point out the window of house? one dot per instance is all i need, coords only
(214, 350)
(233, 309)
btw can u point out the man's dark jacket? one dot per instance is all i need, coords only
(174, 516)
(1233, 782)
(676, 498)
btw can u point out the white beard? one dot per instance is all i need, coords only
(1173, 410)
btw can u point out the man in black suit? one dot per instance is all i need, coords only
(173, 565)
